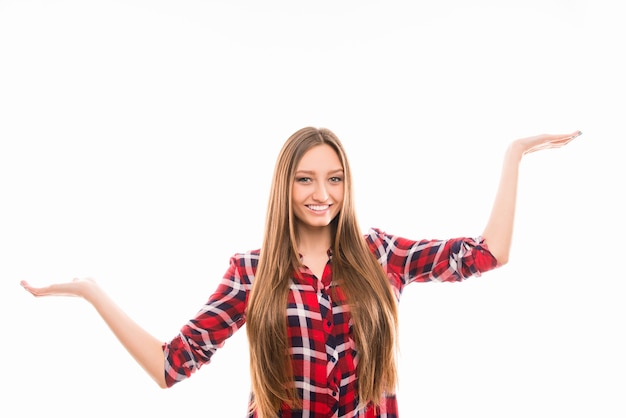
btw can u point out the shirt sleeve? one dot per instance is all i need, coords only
(217, 320)
(451, 260)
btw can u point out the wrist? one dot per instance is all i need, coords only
(90, 291)
(515, 151)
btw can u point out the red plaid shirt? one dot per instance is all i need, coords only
(323, 352)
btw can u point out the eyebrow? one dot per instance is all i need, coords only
(339, 170)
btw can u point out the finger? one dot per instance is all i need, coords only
(563, 141)
(570, 137)
(32, 290)
(551, 142)
(566, 139)
(53, 289)
(26, 285)
(543, 145)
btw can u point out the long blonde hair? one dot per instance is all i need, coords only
(370, 298)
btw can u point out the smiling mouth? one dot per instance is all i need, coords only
(318, 208)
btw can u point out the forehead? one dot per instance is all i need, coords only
(320, 157)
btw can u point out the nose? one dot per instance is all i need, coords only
(320, 194)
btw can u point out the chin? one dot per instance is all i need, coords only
(319, 224)
(315, 223)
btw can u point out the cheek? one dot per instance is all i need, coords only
(296, 194)
(339, 194)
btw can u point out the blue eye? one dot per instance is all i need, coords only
(336, 179)
(303, 179)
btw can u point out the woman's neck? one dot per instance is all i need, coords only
(314, 240)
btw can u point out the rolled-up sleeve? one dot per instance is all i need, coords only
(221, 316)
(451, 260)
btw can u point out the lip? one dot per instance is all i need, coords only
(319, 209)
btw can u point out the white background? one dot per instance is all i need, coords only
(137, 144)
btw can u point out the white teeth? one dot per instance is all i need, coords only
(318, 207)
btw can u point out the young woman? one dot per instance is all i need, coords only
(319, 298)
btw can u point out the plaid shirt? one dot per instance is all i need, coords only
(322, 348)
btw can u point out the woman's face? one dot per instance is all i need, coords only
(318, 187)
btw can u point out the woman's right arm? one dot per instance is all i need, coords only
(145, 349)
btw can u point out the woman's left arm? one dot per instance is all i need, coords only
(499, 230)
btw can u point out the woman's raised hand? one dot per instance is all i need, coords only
(498, 232)
(146, 349)
(77, 288)
(545, 141)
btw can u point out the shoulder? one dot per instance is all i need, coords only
(243, 265)
(247, 258)
(378, 240)
(376, 235)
